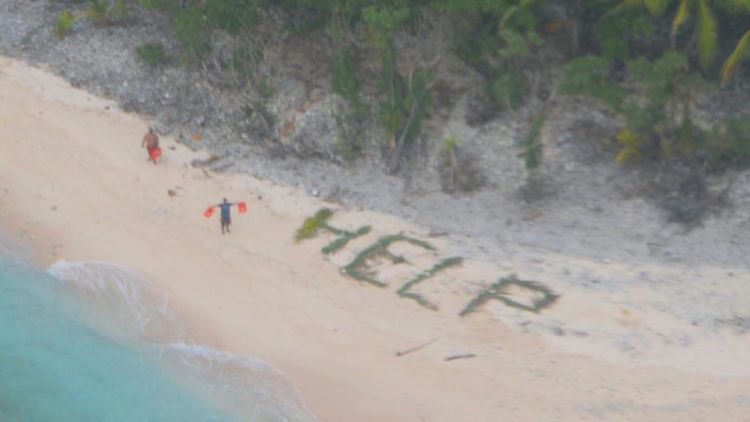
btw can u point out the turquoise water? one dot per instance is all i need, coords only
(91, 342)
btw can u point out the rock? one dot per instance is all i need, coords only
(315, 130)
(459, 170)
(334, 194)
(290, 95)
(204, 162)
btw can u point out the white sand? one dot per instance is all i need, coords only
(75, 184)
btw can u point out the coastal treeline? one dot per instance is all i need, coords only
(646, 60)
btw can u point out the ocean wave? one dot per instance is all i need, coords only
(122, 304)
(242, 384)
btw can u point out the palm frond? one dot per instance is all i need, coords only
(656, 7)
(683, 13)
(624, 5)
(734, 6)
(506, 17)
(707, 35)
(523, 4)
(740, 53)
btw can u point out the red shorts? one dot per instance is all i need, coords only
(154, 153)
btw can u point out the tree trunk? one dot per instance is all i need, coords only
(394, 161)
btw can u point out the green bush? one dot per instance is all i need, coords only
(243, 63)
(118, 11)
(151, 53)
(508, 89)
(63, 23)
(588, 76)
(616, 32)
(350, 118)
(532, 147)
(731, 142)
(661, 81)
(191, 29)
(230, 15)
(265, 88)
(267, 115)
(474, 47)
(344, 79)
(165, 5)
(97, 12)
(663, 84)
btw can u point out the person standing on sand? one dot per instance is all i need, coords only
(226, 216)
(151, 143)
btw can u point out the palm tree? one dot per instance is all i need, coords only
(739, 54)
(706, 26)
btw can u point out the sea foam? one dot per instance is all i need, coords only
(125, 307)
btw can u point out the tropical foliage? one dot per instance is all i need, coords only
(703, 16)
(662, 46)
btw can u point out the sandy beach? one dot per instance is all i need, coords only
(75, 185)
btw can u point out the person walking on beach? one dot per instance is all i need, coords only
(151, 143)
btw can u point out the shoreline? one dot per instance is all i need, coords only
(76, 181)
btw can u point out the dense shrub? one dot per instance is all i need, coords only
(230, 15)
(499, 39)
(731, 142)
(97, 12)
(532, 145)
(151, 53)
(344, 79)
(63, 23)
(191, 29)
(589, 76)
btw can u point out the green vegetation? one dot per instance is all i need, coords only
(345, 83)
(498, 291)
(63, 23)
(730, 144)
(117, 11)
(494, 37)
(532, 146)
(312, 225)
(191, 29)
(589, 76)
(665, 85)
(643, 59)
(344, 79)
(151, 53)
(100, 12)
(440, 266)
(97, 12)
(405, 101)
(339, 243)
(357, 268)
